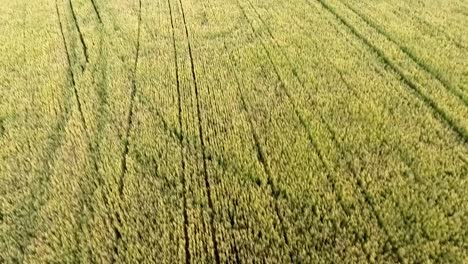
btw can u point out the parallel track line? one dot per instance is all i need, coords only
(202, 140)
(181, 141)
(439, 113)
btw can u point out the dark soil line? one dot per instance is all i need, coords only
(96, 10)
(421, 64)
(181, 142)
(80, 34)
(444, 117)
(202, 140)
(56, 141)
(321, 157)
(131, 110)
(261, 156)
(303, 122)
(123, 164)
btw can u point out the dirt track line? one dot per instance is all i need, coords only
(349, 87)
(70, 71)
(421, 64)
(429, 28)
(313, 142)
(96, 10)
(51, 149)
(459, 131)
(80, 34)
(366, 194)
(131, 110)
(72, 77)
(283, 86)
(123, 164)
(92, 149)
(202, 140)
(181, 141)
(262, 158)
(76, 93)
(234, 246)
(293, 70)
(399, 148)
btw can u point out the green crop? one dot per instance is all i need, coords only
(235, 131)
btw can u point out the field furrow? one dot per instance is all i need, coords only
(202, 140)
(427, 27)
(402, 151)
(292, 112)
(131, 109)
(421, 64)
(96, 10)
(181, 140)
(454, 121)
(80, 33)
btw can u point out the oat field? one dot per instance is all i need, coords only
(233, 131)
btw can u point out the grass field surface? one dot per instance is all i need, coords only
(233, 131)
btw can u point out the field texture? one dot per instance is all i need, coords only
(233, 131)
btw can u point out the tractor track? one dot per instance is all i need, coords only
(234, 246)
(96, 10)
(366, 194)
(342, 78)
(129, 126)
(181, 141)
(349, 88)
(439, 113)
(80, 33)
(420, 63)
(93, 150)
(202, 140)
(51, 149)
(76, 93)
(131, 110)
(312, 140)
(262, 159)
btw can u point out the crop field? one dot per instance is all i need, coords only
(233, 131)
